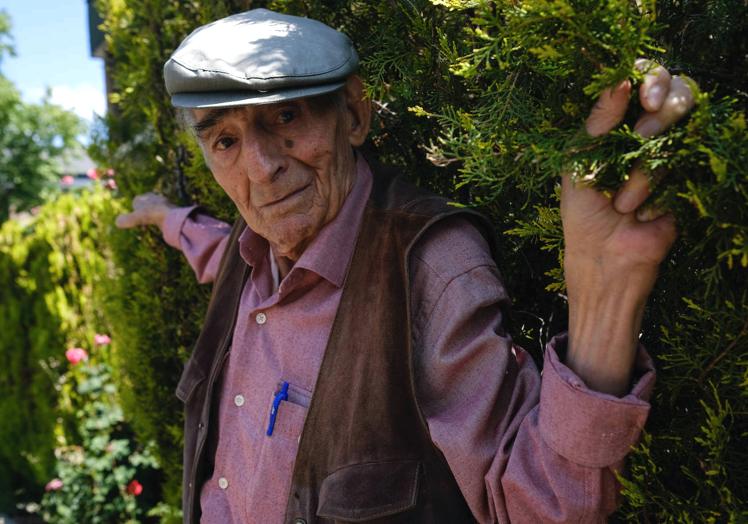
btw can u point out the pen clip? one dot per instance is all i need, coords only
(277, 398)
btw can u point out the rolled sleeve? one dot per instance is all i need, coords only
(200, 238)
(584, 426)
(173, 223)
(522, 448)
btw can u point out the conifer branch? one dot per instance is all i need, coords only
(723, 354)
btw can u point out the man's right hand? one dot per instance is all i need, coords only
(147, 209)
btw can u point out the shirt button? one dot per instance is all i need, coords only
(223, 483)
(239, 401)
(261, 318)
(299, 521)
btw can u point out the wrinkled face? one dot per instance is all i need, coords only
(287, 166)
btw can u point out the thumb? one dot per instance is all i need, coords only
(609, 109)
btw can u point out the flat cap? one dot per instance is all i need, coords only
(258, 57)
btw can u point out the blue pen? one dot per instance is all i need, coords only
(279, 396)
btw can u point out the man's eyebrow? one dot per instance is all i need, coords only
(210, 120)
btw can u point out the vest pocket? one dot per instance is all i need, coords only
(192, 375)
(363, 492)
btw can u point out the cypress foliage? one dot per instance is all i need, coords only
(540, 65)
(485, 101)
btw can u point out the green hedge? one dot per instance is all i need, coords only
(484, 101)
(50, 265)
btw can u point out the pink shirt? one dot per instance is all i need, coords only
(520, 447)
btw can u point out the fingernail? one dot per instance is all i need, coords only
(655, 96)
(648, 128)
(622, 86)
(648, 214)
(633, 193)
(626, 201)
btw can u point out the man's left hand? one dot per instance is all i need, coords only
(613, 244)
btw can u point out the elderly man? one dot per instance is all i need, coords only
(353, 366)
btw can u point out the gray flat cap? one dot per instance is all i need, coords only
(258, 57)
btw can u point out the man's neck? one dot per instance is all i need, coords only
(284, 266)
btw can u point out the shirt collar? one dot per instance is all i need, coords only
(329, 254)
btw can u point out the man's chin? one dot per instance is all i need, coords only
(290, 240)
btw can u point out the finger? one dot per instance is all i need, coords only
(655, 86)
(677, 104)
(634, 192)
(666, 228)
(566, 183)
(126, 221)
(649, 213)
(578, 192)
(609, 109)
(571, 183)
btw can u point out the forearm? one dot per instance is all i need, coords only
(604, 325)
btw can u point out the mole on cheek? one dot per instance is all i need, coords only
(289, 144)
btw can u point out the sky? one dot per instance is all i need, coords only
(52, 51)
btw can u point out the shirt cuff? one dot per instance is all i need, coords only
(173, 223)
(588, 427)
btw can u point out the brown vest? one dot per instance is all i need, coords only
(365, 453)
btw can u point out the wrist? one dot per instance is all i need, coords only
(604, 325)
(162, 213)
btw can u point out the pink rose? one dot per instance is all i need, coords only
(75, 355)
(53, 485)
(101, 340)
(135, 488)
(67, 180)
(110, 172)
(92, 174)
(110, 184)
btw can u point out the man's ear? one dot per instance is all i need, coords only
(359, 110)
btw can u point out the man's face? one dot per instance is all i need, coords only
(287, 166)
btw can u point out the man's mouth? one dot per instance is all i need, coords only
(289, 196)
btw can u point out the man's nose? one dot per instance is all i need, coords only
(263, 158)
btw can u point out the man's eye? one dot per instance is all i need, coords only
(224, 143)
(286, 116)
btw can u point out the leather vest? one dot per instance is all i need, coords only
(365, 453)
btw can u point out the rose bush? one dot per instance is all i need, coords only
(102, 340)
(76, 355)
(134, 488)
(53, 485)
(96, 473)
